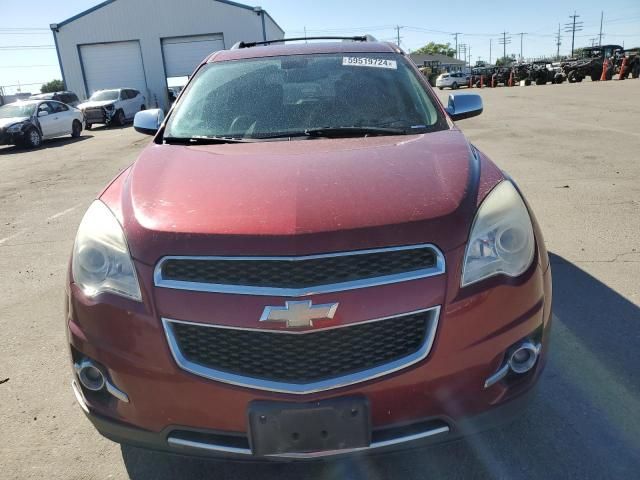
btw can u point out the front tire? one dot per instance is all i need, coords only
(119, 118)
(143, 107)
(76, 129)
(454, 86)
(440, 88)
(88, 126)
(32, 138)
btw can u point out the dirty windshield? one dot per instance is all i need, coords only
(294, 95)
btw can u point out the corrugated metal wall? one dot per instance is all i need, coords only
(148, 21)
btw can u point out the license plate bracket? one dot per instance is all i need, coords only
(336, 424)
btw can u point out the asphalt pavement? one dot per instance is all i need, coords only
(575, 152)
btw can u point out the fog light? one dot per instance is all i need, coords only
(524, 358)
(90, 376)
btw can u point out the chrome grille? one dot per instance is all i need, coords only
(295, 276)
(303, 362)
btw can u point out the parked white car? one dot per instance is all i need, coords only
(30, 122)
(112, 106)
(453, 80)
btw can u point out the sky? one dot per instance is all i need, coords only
(480, 24)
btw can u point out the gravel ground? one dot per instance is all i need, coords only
(574, 150)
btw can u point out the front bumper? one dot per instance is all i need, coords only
(10, 138)
(207, 443)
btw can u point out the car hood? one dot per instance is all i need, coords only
(7, 122)
(94, 104)
(299, 197)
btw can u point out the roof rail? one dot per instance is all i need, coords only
(360, 38)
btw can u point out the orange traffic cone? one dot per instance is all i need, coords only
(511, 78)
(605, 67)
(622, 69)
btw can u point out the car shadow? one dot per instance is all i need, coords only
(583, 422)
(110, 127)
(46, 144)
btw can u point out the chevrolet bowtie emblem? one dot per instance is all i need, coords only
(299, 314)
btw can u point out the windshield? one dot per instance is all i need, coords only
(105, 95)
(276, 96)
(17, 110)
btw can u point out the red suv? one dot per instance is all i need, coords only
(309, 260)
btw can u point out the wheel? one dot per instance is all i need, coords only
(635, 72)
(76, 129)
(559, 78)
(143, 107)
(540, 81)
(572, 77)
(579, 79)
(454, 86)
(440, 88)
(527, 82)
(32, 138)
(88, 126)
(119, 118)
(595, 77)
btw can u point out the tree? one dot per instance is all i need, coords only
(432, 48)
(52, 86)
(502, 61)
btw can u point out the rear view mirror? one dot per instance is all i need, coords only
(464, 105)
(148, 121)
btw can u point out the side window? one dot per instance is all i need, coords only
(133, 93)
(44, 107)
(61, 107)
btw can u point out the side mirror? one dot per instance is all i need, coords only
(148, 121)
(43, 113)
(464, 106)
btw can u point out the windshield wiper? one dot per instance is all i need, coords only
(353, 131)
(199, 140)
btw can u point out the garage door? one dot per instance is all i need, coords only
(113, 65)
(183, 54)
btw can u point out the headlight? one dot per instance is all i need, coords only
(16, 128)
(501, 240)
(101, 261)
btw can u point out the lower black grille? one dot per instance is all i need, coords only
(303, 358)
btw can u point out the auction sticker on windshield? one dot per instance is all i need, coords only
(369, 62)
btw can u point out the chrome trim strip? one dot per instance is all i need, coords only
(438, 269)
(178, 442)
(79, 397)
(496, 377)
(313, 387)
(116, 392)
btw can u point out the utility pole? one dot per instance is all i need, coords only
(490, 45)
(573, 28)
(521, 35)
(504, 41)
(305, 34)
(398, 27)
(601, 18)
(558, 43)
(469, 56)
(456, 37)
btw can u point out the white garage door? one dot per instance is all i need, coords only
(183, 54)
(113, 65)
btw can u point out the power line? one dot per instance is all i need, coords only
(27, 66)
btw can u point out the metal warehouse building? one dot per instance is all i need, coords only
(143, 43)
